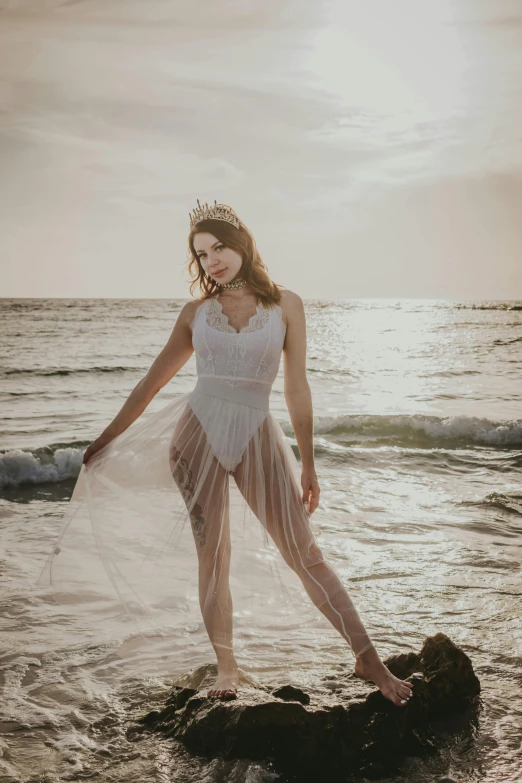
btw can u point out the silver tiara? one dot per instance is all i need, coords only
(215, 212)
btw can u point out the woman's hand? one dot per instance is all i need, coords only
(311, 490)
(93, 448)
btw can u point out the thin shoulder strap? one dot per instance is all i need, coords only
(199, 309)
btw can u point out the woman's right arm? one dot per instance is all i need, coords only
(169, 361)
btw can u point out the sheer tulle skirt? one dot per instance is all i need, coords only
(192, 517)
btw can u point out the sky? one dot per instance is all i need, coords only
(373, 148)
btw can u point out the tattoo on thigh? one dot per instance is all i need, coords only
(182, 475)
(198, 524)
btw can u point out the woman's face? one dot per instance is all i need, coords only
(220, 262)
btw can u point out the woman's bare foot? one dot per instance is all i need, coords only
(226, 683)
(370, 667)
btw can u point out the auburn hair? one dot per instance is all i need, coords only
(253, 269)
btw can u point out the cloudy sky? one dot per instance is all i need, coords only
(373, 147)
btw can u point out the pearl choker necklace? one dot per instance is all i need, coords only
(239, 282)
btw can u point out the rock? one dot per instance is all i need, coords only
(291, 693)
(318, 735)
(204, 677)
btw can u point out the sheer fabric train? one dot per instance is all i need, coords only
(197, 509)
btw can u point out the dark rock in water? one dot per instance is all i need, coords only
(291, 693)
(319, 735)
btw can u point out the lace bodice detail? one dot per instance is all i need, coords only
(217, 319)
(249, 358)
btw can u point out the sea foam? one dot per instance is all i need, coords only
(23, 467)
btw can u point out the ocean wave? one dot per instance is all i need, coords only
(47, 465)
(510, 503)
(449, 373)
(515, 305)
(59, 462)
(420, 430)
(413, 459)
(69, 371)
(507, 342)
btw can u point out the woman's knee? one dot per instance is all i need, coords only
(301, 560)
(314, 555)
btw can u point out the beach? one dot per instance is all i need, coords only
(418, 449)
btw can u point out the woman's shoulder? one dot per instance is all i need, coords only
(290, 301)
(291, 307)
(290, 296)
(188, 311)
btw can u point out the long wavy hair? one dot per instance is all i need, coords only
(253, 269)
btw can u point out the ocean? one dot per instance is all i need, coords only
(418, 445)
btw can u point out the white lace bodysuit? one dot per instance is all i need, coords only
(238, 367)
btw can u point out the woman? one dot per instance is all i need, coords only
(238, 329)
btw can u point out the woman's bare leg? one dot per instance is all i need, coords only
(282, 512)
(207, 501)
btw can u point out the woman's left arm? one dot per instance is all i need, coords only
(298, 395)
